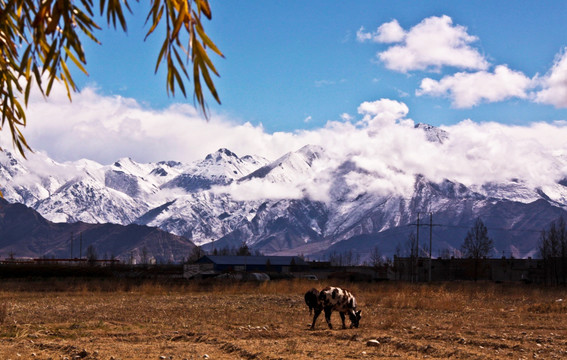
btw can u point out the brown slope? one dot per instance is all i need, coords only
(25, 233)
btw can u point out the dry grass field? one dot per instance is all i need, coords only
(57, 319)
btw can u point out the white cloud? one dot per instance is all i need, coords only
(382, 144)
(362, 36)
(307, 119)
(554, 84)
(346, 117)
(474, 154)
(433, 43)
(257, 189)
(492, 152)
(390, 32)
(105, 128)
(386, 162)
(470, 89)
(383, 112)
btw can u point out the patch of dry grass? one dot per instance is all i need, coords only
(3, 312)
(231, 320)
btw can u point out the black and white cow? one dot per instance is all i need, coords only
(333, 299)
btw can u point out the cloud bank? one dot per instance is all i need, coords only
(383, 152)
(105, 128)
(381, 143)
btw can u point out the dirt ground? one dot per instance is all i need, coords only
(53, 320)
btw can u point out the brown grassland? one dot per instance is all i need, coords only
(104, 319)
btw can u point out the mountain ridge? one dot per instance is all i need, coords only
(306, 201)
(27, 234)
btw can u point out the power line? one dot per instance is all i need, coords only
(489, 228)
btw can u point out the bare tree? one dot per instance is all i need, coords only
(553, 248)
(376, 257)
(243, 250)
(347, 256)
(92, 255)
(477, 244)
(411, 252)
(145, 256)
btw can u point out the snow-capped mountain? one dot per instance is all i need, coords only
(220, 168)
(307, 201)
(432, 133)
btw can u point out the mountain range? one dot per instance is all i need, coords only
(306, 202)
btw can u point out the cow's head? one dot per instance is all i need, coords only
(355, 318)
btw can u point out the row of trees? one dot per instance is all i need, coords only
(242, 250)
(552, 248)
(553, 251)
(477, 245)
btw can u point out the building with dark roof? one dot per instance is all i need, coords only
(213, 264)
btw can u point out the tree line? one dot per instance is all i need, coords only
(553, 250)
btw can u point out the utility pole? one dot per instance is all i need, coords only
(417, 252)
(430, 241)
(431, 225)
(414, 274)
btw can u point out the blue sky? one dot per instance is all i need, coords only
(289, 61)
(329, 73)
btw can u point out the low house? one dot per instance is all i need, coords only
(213, 264)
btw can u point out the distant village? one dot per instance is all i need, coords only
(264, 268)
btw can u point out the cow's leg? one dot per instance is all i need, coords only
(343, 319)
(317, 312)
(328, 311)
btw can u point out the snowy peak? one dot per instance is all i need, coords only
(131, 167)
(310, 153)
(219, 168)
(221, 155)
(139, 180)
(289, 167)
(226, 163)
(9, 164)
(432, 133)
(28, 181)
